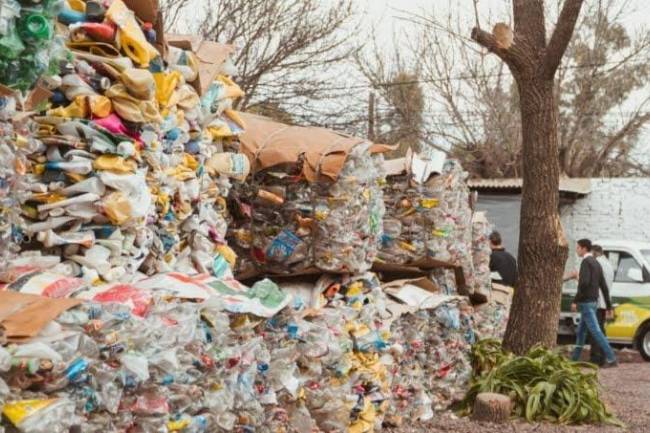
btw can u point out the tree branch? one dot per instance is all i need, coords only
(561, 36)
(511, 56)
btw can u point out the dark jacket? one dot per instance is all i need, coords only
(505, 264)
(590, 281)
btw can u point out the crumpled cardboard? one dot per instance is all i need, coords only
(268, 143)
(23, 316)
(501, 294)
(420, 169)
(211, 55)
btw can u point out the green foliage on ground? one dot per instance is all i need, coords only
(543, 385)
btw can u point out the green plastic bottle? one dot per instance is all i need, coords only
(11, 46)
(35, 28)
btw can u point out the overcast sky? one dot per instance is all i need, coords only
(387, 11)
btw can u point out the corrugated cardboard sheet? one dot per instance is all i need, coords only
(268, 143)
(211, 55)
(23, 316)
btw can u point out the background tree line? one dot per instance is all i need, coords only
(307, 62)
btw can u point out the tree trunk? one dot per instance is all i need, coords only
(542, 247)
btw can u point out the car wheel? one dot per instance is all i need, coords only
(643, 341)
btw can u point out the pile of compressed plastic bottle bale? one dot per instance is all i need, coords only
(314, 202)
(121, 179)
(428, 215)
(11, 164)
(341, 358)
(481, 252)
(413, 208)
(129, 167)
(28, 45)
(430, 358)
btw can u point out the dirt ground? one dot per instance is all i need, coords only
(626, 390)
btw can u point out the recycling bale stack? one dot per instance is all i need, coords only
(413, 206)
(29, 48)
(191, 367)
(340, 330)
(432, 335)
(431, 367)
(481, 253)
(131, 157)
(428, 220)
(12, 163)
(314, 202)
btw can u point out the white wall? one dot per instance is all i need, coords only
(616, 208)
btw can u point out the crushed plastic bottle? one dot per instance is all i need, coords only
(108, 153)
(288, 225)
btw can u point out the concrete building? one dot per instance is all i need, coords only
(501, 199)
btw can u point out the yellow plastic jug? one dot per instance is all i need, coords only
(130, 35)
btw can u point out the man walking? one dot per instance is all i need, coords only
(590, 282)
(597, 356)
(502, 261)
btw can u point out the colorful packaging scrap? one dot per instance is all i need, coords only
(128, 167)
(314, 202)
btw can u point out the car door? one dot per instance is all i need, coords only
(628, 285)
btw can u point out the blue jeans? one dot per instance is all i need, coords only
(589, 323)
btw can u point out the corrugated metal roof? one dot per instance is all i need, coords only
(572, 185)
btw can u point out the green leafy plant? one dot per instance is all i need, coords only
(543, 385)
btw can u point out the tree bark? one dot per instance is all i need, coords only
(542, 247)
(543, 250)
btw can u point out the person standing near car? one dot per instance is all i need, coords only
(502, 261)
(590, 282)
(597, 356)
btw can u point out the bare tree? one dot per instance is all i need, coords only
(477, 100)
(400, 107)
(288, 51)
(533, 61)
(604, 67)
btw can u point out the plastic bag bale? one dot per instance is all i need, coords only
(289, 225)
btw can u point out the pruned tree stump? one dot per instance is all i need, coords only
(490, 407)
